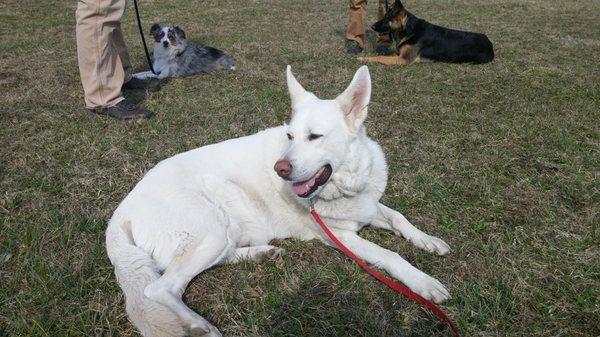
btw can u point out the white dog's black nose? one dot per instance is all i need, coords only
(165, 44)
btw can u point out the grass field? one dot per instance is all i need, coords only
(502, 161)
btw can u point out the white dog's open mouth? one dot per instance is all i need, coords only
(305, 188)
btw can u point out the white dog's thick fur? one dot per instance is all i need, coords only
(224, 202)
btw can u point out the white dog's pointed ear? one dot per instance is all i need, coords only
(355, 99)
(296, 90)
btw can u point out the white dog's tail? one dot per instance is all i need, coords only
(135, 269)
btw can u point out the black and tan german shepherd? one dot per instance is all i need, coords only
(418, 40)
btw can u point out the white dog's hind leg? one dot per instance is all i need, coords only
(254, 253)
(418, 281)
(194, 258)
(390, 219)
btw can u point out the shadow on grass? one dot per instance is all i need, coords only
(139, 96)
(319, 309)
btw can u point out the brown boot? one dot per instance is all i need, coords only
(123, 110)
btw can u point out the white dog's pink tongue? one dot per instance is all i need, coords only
(304, 186)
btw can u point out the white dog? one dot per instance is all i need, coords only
(225, 202)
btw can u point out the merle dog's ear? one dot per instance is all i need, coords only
(155, 29)
(179, 32)
(398, 4)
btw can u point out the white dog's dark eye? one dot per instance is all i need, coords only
(314, 136)
(290, 137)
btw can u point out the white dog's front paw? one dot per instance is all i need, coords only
(431, 244)
(429, 288)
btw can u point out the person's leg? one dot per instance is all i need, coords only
(103, 58)
(150, 83)
(100, 66)
(356, 22)
(119, 43)
(141, 82)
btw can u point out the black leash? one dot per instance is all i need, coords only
(139, 22)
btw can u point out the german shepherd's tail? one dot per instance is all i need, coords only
(135, 269)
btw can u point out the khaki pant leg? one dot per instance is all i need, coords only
(121, 46)
(100, 65)
(383, 38)
(356, 24)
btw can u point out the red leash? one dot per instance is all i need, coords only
(385, 280)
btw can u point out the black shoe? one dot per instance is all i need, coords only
(123, 110)
(352, 47)
(150, 84)
(383, 49)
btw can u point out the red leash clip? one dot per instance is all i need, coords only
(381, 278)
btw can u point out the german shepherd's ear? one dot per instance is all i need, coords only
(393, 19)
(179, 32)
(399, 16)
(355, 99)
(155, 29)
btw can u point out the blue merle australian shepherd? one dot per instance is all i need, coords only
(174, 57)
